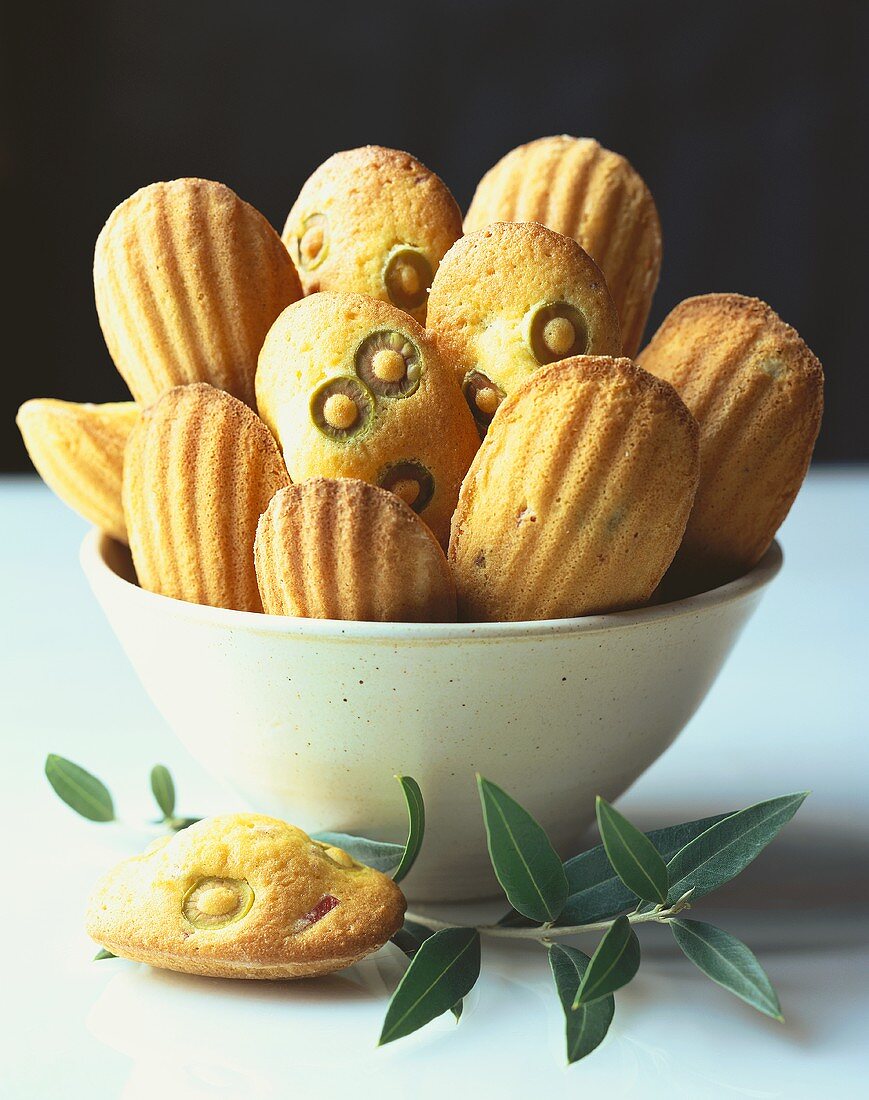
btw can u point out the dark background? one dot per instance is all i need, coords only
(747, 120)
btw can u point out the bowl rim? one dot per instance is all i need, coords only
(103, 577)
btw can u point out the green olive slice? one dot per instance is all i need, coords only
(389, 364)
(342, 408)
(483, 397)
(216, 902)
(407, 277)
(556, 331)
(409, 480)
(313, 242)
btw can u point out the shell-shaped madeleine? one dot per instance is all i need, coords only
(78, 451)
(199, 470)
(344, 549)
(188, 279)
(244, 896)
(756, 391)
(578, 497)
(373, 221)
(576, 187)
(354, 387)
(512, 297)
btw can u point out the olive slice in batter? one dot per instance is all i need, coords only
(407, 277)
(313, 242)
(483, 397)
(556, 331)
(342, 408)
(216, 902)
(389, 364)
(409, 480)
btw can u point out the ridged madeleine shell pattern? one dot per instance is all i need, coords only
(343, 549)
(576, 187)
(199, 470)
(756, 391)
(578, 497)
(78, 451)
(188, 279)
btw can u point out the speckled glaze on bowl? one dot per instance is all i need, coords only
(310, 719)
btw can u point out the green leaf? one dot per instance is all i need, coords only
(415, 826)
(727, 961)
(410, 939)
(719, 854)
(524, 860)
(595, 892)
(180, 823)
(634, 858)
(80, 790)
(163, 789)
(379, 854)
(441, 972)
(103, 954)
(613, 964)
(586, 1026)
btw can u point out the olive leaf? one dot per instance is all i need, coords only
(613, 964)
(379, 854)
(80, 790)
(409, 939)
(103, 954)
(634, 858)
(728, 962)
(595, 892)
(179, 823)
(163, 789)
(586, 1026)
(415, 826)
(722, 851)
(525, 863)
(441, 973)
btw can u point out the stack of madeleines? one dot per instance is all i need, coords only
(386, 414)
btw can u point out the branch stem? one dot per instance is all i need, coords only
(548, 932)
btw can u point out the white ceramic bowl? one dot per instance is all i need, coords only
(310, 719)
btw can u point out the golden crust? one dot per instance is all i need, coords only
(578, 188)
(317, 340)
(344, 549)
(364, 203)
(139, 909)
(188, 279)
(492, 283)
(756, 391)
(578, 497)
(78, 451)
(199, 470)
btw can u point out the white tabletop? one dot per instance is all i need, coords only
(789, 712)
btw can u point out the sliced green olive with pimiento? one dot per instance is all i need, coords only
(483, 397)
(556, 331)
(410, 481)
(216, 902)
(389, 364)
(313, 242)
(407, 277)
(342, 408)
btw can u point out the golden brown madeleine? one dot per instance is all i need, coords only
(199, 470)
(244, 896)
(188, 279)
(373, 221)
(353, 387)
(576, 187)
(757, 393)
(78, 451)
(577, 499)
(511, 297)
(343, 549)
